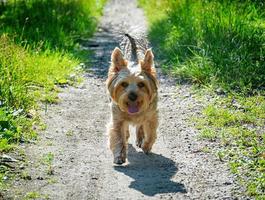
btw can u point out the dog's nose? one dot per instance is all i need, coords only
(132, 96)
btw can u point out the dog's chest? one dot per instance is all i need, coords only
(141, 119)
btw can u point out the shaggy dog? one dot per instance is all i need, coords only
(133, 90)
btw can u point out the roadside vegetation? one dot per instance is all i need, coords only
(39, 50)
(220, 46)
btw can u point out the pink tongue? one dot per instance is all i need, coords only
(133, 109)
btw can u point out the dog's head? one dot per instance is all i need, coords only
(132, 86)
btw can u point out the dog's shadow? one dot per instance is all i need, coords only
(151, 173)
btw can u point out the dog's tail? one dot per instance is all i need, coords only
(133, 43)
(134, 55)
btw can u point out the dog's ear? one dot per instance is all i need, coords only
(148, 61)
(147, 64)
(117, 63)
(117, 60)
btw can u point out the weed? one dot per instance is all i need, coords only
(25, 175)
(208, 133)
(47, 159)
(32, 195)
(206, 149)
(52, 180)
(69, 133)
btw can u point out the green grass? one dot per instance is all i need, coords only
(28, 77)
(48, 160)
(54, 23)
(32, 195)
(220, 45)
(238, 124)
(35, 195)
(39, 51)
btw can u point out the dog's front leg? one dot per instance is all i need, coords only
(149, 129)
(139, 135)
(118, 136)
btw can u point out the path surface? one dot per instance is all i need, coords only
(82, 166)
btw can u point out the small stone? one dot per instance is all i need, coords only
(227, 183)
(21, 166)
(27, 177)
(40, 178)
(7, 158)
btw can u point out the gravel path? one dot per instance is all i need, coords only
(82, 165)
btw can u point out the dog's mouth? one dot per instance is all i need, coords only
(133, 107)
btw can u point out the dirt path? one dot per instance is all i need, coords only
(82, 165)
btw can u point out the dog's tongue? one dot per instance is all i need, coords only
(133, 108)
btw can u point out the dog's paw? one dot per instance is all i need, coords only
(120, 154)
(146, 148)
(119, 160)
(139, 143)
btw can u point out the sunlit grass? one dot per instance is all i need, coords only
(27, 77)
(39, 51)
(24, 71)
(53, 23)
(220, 45)
(238, 124)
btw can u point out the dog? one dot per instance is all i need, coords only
(133, 90)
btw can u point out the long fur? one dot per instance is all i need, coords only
(130, 72)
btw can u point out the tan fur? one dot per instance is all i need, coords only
(123, 79)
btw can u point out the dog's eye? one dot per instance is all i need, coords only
(140, 85)
(124, 84)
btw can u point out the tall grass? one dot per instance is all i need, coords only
(25, 73)
(38, 44)
(220, 44)
(55, 23)
(37, 40)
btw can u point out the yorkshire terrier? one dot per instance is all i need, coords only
(133, 89)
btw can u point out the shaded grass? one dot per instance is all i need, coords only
(55, 23)
(220, 45)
